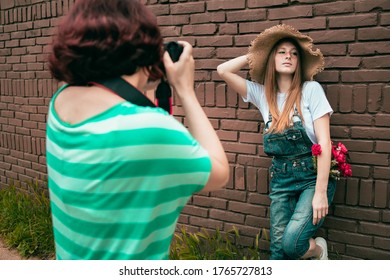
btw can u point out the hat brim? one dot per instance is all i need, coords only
(261, 46)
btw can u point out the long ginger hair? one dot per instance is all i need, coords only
(282, 120)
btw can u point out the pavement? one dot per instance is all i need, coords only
(8, 254)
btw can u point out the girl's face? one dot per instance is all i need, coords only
(286, 58)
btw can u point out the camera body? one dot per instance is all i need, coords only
(174, 49)
(163, 91)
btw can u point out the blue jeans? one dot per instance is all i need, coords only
(292, 189)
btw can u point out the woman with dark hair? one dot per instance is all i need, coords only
(296, 114)
(119, 174)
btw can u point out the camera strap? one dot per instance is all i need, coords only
(128, 92)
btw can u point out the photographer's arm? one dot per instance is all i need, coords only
(228, 72)
(181, 77)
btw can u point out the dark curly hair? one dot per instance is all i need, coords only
(105, 39)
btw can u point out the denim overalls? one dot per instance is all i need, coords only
(293, 181)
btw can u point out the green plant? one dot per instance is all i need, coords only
(25, 220)
(217, 246)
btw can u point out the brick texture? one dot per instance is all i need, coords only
(354, 37)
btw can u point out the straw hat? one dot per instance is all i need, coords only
(260, 48)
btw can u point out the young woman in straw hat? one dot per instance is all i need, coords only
(296, 113)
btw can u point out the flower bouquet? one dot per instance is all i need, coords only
(338, 166)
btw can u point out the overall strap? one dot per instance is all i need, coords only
(269, 121)
(296, 115)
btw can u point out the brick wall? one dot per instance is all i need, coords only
(354, 37)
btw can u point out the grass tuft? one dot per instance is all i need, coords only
(25, 220)
(204, 245)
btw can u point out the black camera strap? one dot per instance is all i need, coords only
(128, 92)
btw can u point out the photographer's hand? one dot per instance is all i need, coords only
(181, 76)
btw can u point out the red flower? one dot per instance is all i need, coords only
(347, 170)
(339, 165)
(341, 158)
(342, 148)
(316, 149)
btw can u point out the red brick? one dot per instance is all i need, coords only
(373, 33)
(361, 214)
(382, 193)
(208, 17)
(386, 99)
(266, 3)
(210, 202)
(225, 5)
(246, 15)
(382, 243)
(215, 41)
(239, 125)
(342, 62)
(342, 7)
(364, 158)
(382, 120)
(328, 76)
(340, 224)
(188, 8)
(345, 103)
(253, 138)
(330, 36)
(205, 222)
(246, 208)
(225, 29)
(227, 216)
(239, 178)
(220, 96)
(256, 161)
(361, 76)
(240, 148)
(374, 97)
(195, 211)
(253, 27)
(386, 216)
(307, 24)
(366, 193)
(370, 133)
(350, 238)
(367, 5)
(258, 222)
(290, 12)
(352, 20)
(171, 31)
(379, 62)
(352, 192)
(374, 228)
(202, 29)
(382, 147)
(359, 98)
(372, 48)
(385, 19)
(227, 135)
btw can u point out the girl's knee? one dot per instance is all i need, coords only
(294, 247)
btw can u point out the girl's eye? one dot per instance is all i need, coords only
(295, 54)
(282, 52)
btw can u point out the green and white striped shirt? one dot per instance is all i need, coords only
(119, 180)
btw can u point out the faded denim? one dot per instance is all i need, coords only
(292, 185)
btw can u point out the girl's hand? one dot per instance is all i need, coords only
(320, 206)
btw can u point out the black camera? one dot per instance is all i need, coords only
(174, 49)
(163, 91)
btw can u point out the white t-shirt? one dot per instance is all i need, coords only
(314, 103)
